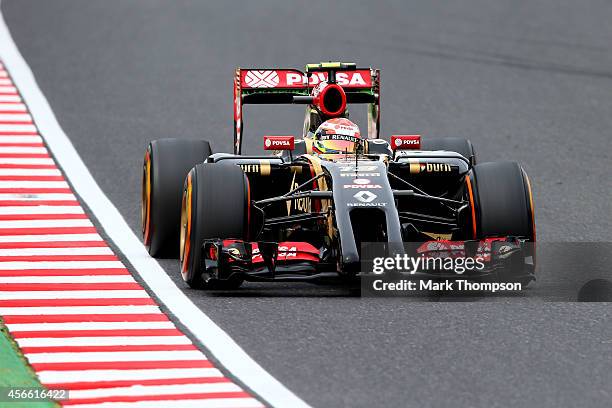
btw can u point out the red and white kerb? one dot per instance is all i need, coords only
(80, 318)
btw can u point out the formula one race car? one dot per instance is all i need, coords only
(302, 212)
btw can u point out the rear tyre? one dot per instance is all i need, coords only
(215, 205)
(503, 206)
(166, 163)
(452, 144)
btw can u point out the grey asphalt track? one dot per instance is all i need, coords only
(529, 81)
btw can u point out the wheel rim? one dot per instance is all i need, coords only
(186, 222)
(145, 208)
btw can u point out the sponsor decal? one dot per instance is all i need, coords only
(365, 196)
(302, 204)
(357, 168)
(365, 199)
(279, 142)
(290, 78)
(261, 79)
(340, 137)
(403, 142)
(262, 168)
(366, 205)
(360, 174)
(361, 181)
(362, 186)
(250, 168)
(416, 168)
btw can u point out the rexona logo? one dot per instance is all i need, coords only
(279, 142)
(290, 78)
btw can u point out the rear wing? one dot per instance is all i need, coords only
(292, 86)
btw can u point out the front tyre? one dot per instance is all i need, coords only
(166, 163)
(502, 202)
(215, 205)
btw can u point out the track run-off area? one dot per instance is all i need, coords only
(80, 318)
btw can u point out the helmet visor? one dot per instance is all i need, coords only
(333, 144)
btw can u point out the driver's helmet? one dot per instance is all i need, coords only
(336, 136)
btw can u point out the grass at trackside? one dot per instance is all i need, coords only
(15, 372)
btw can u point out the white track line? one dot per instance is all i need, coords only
(155, 390)
(102, 341)
(217, 341)
(83, 357)
(73, 294)
(68, 279)
(57, 377)
(77, 310)
(51, 238)
(15, 327)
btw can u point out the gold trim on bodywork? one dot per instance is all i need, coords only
(437, 236)
(322, 183)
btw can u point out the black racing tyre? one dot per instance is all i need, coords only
(502, 200)
(215, 204)
(452, 144)
(166, 163)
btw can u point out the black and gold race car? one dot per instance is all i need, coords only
(298, 214)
